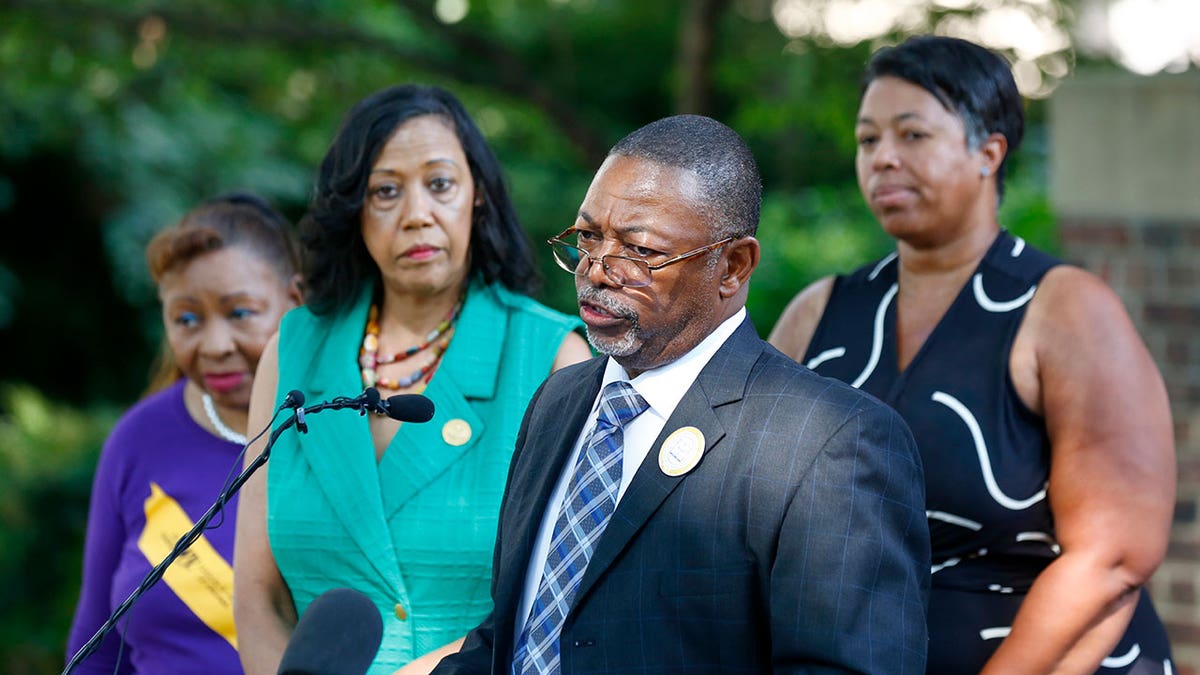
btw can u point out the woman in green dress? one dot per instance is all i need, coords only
(418, 279)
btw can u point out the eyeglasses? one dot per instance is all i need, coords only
(622, 270)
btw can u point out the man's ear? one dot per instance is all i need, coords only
(740, 259)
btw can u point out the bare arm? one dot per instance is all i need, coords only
(423, 665)
(263, 609)
(1112, 474)
(799, 320)
(572, 350)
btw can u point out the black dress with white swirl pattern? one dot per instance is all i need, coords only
(986, 455)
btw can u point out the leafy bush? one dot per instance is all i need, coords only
(48, 455)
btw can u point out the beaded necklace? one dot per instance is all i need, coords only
(369, 360)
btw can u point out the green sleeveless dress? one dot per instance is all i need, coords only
(415, 531)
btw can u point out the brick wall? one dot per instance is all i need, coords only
(1125, 181)
(1155, 268)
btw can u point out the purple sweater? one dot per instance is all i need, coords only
(178, 625)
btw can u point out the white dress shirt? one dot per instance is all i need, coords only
(663, 388)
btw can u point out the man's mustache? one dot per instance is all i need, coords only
(607, 302)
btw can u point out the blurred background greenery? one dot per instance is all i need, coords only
(117, 115)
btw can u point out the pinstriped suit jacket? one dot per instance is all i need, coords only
(798, 544)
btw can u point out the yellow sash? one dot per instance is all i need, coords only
(200, 576)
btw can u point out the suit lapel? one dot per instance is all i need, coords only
(470, 369)
(338, 446)
(721, 382)
(563, 410)
(348, 477)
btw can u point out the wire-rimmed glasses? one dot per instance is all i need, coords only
(622, 270)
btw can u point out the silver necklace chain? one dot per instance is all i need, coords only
(222, 430)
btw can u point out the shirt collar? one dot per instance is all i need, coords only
(663, 387)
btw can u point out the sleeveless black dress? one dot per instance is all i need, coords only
(986, 456)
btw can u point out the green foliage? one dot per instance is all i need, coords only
(813, 233)
(166, 105)
(1025, 208)
(47, 458)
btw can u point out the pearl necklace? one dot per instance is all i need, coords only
(222, 430)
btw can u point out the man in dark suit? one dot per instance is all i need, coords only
(694, 501)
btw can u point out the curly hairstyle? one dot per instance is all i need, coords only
(337, 263)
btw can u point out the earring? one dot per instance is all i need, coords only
(985, 171)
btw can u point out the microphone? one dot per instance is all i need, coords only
(339, 634)
(294, 399)
(371, 402)
(402, 407)
(408, 408)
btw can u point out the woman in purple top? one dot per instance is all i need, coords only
(225, 274)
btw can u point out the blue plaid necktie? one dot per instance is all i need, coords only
(589, 503)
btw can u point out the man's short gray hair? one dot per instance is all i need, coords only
(730, 186)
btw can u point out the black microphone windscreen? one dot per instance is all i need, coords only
(339, 634)
(295, 399)
(371, 399)
(409, 408)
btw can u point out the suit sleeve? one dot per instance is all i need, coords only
(850, 583)
(476, 654)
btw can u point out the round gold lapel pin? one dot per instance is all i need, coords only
(456, 432)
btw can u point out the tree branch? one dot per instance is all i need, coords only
(695, 56)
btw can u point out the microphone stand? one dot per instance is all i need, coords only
(193, 534)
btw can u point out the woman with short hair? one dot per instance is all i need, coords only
(1042, 420)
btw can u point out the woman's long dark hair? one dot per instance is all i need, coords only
(337, 262)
